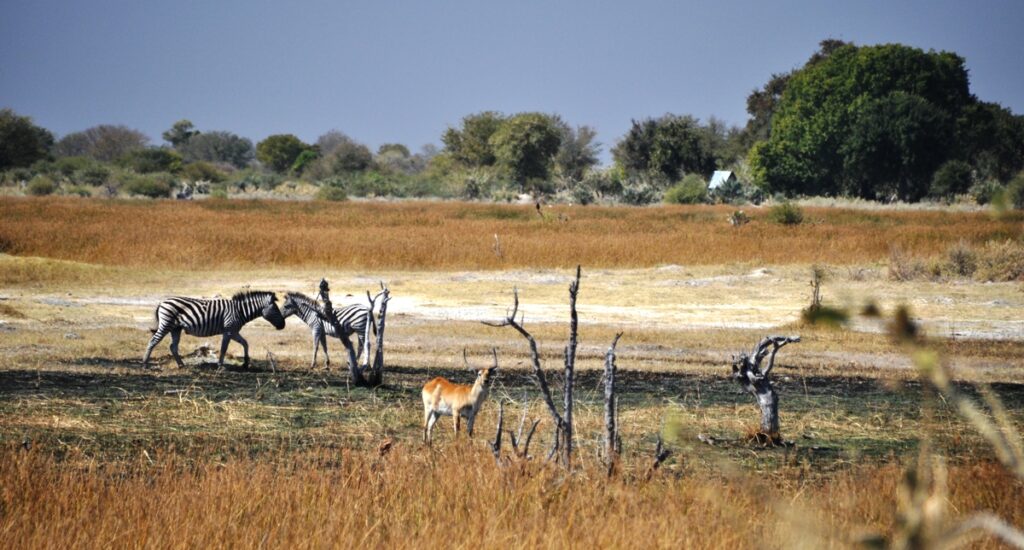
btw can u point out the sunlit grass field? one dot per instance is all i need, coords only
(414, 235)
(97, 452)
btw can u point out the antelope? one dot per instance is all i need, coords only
(443, 398)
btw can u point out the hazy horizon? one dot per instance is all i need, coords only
(389, 72)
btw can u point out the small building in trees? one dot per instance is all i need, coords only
(721, 178)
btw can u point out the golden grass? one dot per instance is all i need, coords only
(450, 497)
(424, 235)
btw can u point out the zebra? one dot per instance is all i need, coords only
(198, 317)
(352, 318)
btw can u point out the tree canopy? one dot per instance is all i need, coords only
(21, 141)
(105, 142)
(667, 147)
(876, 122)
(279, 151)
(218, 147)
(526, 145)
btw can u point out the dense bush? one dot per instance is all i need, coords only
(692, 190)
(68, 166)
(154, 186)
(78, 190)
(987, 191)
(786, 213)
(1015, 192)
(951, 179)
(1001, 261)
(251, 181)
(149, 161)
(40, 185)
(639, 193)
(203, 171)
(331, 193)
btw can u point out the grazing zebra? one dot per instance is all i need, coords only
(204, 318)
(352, 318)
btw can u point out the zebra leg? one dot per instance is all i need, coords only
(157, 336)
(327, 358)
(224, 339)
(360, 352)
(175, 338)
(245, 348)
(316, 349)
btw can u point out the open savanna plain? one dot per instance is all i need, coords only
(99, 452)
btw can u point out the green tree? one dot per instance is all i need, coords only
(471, 143)
(991, 139)
(692, 190)
(893, 147)
(180, 133)
(951, 179)
(339, 155)
(821, 133)
(667, 147)
(279, 151)
(577, 152)
(146, 161)
(21, 142)
(105, 142)
(526, 145)
(396, 148)
(218, 147)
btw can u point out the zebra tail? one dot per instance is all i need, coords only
(373, 322)
(156, 321)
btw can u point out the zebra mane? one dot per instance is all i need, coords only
(263, 295)
(306, 301)
(302, 299)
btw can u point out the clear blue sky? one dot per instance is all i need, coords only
(388, 71)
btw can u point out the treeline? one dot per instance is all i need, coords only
(886, 122)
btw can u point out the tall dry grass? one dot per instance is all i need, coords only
(449, 497)
(423, 235)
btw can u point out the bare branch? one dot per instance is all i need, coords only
(496, 444)
(529, 437)
(610, 421)
(777, 343)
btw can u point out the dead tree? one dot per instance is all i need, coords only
(746, 370)
(365, 375)
(563, 422)
(611, 421)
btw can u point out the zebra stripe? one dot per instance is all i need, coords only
(352, 320)
(203, 318)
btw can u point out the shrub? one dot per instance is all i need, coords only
(331, 193)
(148, 161)
(93, 175)
(69, 165)
(154, 186)
(581, 195)
(903, 266)
(203, 171)
(1001, 261)
(786, 213)
(738, 218)
(1015, 192)
(962, 260)
(951, 179)
(220, 193)
(19, 175)
(78, 190)
(985, 192)
(639, 193)
(692, 190)
(40, 185)
(246, 181)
